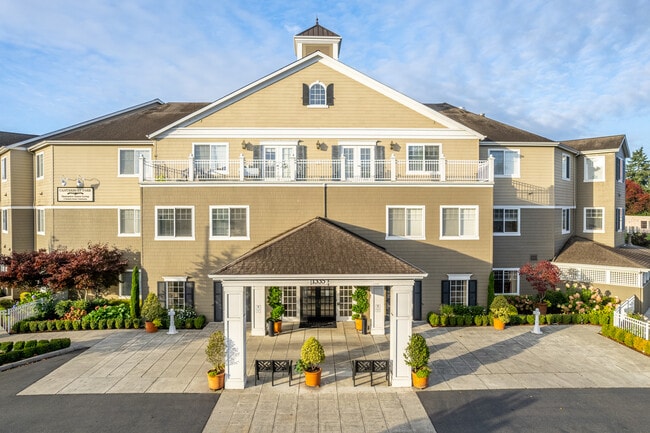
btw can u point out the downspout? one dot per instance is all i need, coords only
(325, 200)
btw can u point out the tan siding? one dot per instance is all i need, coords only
(564, 189)
(22, 229)
(21, 179)
(45, 188)
(280, 105)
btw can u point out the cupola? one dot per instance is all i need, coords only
(317, 38)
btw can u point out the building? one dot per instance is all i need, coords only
(421, 200)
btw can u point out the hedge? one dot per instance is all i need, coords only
(594, 318)
(15, 351)
(27, 326)
(632, 341)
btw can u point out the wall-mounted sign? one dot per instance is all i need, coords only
(75, 194)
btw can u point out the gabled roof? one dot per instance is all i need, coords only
(8, 138)
(319, 247)
(318, 57)
(612, 143)
(491, 129)
(579, 250)
(318, 31)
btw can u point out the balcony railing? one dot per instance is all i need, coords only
(307, 170)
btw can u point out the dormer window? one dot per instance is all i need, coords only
(318, 95)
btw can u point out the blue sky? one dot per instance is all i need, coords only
(563, 69)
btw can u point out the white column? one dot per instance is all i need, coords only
(377, 310)
(401, 327)
(258, 309)
(234, 327)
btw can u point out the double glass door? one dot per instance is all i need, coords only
(279, 162)
(359, 162)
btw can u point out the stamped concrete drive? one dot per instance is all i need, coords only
(472, 358)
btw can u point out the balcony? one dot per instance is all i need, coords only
(307, 170)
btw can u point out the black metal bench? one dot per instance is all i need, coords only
(273, 366)
(370, 366)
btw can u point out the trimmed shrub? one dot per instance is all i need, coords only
(629, 339)
(620, 335)
(530, 319)
(199, 322)
(444, 319)
(42, 347)
(646, 349)
(93, 324)
(59, 325)
(434, 319)
(6, 346)
(478, 320)
(110, 323)
(127, 322)
(469, 320)
(42, 326)
(76, 325)
(452, 320)
(136, 323)
(101, 324)
(119, 323)
(67, 325)
(51, 326)
(189, 324)
(18, 345)
(33, 326)
(638, 343)
(567, 318)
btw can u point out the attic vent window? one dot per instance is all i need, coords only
(318, 95)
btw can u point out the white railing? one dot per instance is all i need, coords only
(640, 328)
(307, 170)
(603, 275)
(24, 311)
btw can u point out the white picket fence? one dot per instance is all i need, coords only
(24, 311)
(640, 328)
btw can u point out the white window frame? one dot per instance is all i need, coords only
(505, 233)
(566, 166)
(620, 169)
(229, 237)
(566, 217)
(137, 224)
(324, 87)
(136, 168)
(474, 236)
(5, 220)
(216, 165)
(3, 169)
(129, 278)
(406, 236)
(515, 165)
(584, 222)
(40, 221)
(465, 288)
(598, 163)
(516, 270)
(620, 219)
(173, 238)
(40, 165)
(174, 280)
(436, 168)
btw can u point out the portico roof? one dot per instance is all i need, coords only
(319, 247)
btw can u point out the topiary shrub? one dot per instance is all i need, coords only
(59, 325)
(444, 319)
(311, 355)
(67, 325)
(199, 322)
(478, 320)
(136, 323)
(416, 355)
(530, 319)
(452, 320)
(469, 320)
(33, 326)
(110, 323)
(101, 324)
(434, 319)
(42, 326)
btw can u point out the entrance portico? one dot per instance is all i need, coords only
(313, 256)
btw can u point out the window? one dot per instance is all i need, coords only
(3, 169)
(210, 158)
(40, 166)
(5, 220)
(128, 222)
(594, 219)
(126, 280)
(506, 221)
(176, 293)
(423, 157)
(566, 166)
(229, 222)
(594, 169)
(130, 161)
(459, 290)
(174, 223)
(405, 222)
(317, 94)
(620, 169)
(506, 281)
(620, 219)
(459, 222)
(506, 162)
(40, 221)
(566, 221)
(644, 224)
(290, 301)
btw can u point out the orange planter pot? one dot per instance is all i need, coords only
(498, 324)
(150, 327)
(358, 324)
(419, 382)
(277, 327)
(313, 378)
(217, 381)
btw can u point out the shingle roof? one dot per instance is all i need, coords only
(8, 138)
(492, 129)
(584, 251)
(318, 30)
(131, 125)
(318, 247)
(612, 142)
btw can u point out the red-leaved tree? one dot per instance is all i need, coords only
(637, 200)
(23, 270)
(542, 275)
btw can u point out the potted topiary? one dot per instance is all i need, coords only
(152, 313)
(416, 356)
(274, 299)
(360, 306)
(216, 354)
(311, 355)
(501, 311)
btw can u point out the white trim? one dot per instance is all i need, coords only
(280, 143)
(568, 209)
(408, 165)
(570, 166)
(42, 164)
(619, 215)
(173, 238)
(459, 277)
(137, 165)
(504, 233)
(405, 237)
(119, 222)
(324, 86)
(3, 169)
(372, 143)
(175, 279)
(4, 220)
(517, 163)
(601, 164)
(332, 279)
(230, 238)
(459, 237)
(330, 184)
(38, 212)
(584, 220)
(518, 281)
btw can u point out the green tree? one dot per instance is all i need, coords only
(135, 292)
(638, 168)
